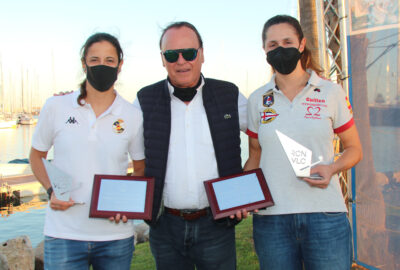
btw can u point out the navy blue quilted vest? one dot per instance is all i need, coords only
(221, 105)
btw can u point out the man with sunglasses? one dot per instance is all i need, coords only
(192, 133)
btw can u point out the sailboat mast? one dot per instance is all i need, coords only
(22, 90)
(1, 87)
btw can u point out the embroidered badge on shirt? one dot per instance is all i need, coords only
(71, 120)
(313, 112)
(268, 99)
(313, 107)
(119, 126)
(268, 115)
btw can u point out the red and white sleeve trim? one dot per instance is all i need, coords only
(251, 134)
(344, 127)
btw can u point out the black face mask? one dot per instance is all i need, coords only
(101, 77)
(185, 94)
(284, 60)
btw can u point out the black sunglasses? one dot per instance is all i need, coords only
(188, 54)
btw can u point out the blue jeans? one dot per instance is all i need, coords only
(320, 241)
(64, 254)
(181, 245)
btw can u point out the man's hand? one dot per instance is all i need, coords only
(118, 218)
(241, 214)
(63, 93)
(56, 204)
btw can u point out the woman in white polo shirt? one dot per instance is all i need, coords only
(308, 225)
(93, 131)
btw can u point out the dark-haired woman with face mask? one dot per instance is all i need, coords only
(92, 130)
(308, 226)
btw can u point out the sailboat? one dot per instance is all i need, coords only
(26, 118)
(6, 120)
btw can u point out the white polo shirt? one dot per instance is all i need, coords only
(315, 114)
(191, 156)
(84, 146)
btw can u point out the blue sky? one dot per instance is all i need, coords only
(40, 40)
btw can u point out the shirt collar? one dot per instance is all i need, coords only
(171, 88)
(115, 108)
(75, 96)
(271, 85)
(314, 80)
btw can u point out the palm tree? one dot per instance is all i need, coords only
(308, 21)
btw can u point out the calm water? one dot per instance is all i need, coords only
(26, 222)
(15, 143)
(28, 219)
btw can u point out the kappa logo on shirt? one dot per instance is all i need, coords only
(71, 120)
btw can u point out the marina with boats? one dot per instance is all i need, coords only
(19, 102)
(21, 119)
(22, 198)
(19, 109)
(15, 171)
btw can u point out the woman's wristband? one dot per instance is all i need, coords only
(49, 191)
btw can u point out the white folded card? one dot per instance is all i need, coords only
(60, 181)
(299, 156)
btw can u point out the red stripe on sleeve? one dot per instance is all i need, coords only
(344, 127)
(251, 134)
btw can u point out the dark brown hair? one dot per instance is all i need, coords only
(98, 37)
(179, 25)
(306, 59)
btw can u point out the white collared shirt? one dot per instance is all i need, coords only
(191, 156)
(85, 145)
